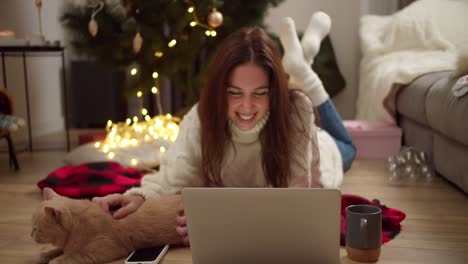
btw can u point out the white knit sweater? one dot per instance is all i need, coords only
(181, 165)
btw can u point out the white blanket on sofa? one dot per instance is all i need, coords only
(422, 38)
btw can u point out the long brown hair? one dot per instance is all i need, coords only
(247, 45)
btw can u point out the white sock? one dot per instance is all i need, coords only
(300, 72)
(319, 26)
(293, 61)
(313, 87)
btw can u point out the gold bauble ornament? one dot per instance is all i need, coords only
(93, 27)
(38, 4)
(215, 18)
(137, 42)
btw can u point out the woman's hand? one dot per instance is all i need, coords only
(127, 203)
(181, 228)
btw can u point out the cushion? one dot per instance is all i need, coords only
(447, 113)
(412, 98)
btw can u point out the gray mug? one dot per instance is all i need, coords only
(363, 232)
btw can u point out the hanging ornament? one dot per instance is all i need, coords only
(93, 27)
(137, 42)
(39, 7)
(215, 18)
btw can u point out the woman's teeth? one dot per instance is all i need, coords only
(246, 117)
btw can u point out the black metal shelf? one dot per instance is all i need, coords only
(24, 51)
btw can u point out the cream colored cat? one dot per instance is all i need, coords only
(84, 233)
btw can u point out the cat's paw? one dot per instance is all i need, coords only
(46, 257)
(58, 260)
(71, 259)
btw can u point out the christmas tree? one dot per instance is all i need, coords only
(174, 38)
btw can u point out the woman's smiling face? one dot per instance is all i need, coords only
(248, 95)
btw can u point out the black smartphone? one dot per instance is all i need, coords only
(150, 255)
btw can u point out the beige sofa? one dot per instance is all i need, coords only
(435, 121)
(405, 78)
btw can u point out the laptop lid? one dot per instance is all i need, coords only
(263, 225)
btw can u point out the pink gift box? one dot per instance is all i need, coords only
(374, 140)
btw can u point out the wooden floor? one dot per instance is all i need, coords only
(53, 141)
(435, 230)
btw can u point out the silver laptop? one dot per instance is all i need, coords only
(263, 225)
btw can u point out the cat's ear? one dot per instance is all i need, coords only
(55, 214)
(48, 193)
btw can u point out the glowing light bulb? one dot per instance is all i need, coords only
(144, 111)
(208, 32)
(139, 94)
(97, 144)
(154, 90)
(171, 126)
(135, 119)
(133, 71)
(213, 33)
(162, 149)
(111, 155)
(128, 121)
(155, 75)
(158, 54)
(158, 124)
(193, 23)
(168, 116)
(147, 118)
(172, 43)
(109, 123)
(134, 162)
(191, 9)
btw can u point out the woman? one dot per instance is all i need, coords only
(249, 129)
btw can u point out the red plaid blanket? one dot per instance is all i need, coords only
(391, 218)
(91, 179)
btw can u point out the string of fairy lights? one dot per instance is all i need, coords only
(133, 131)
